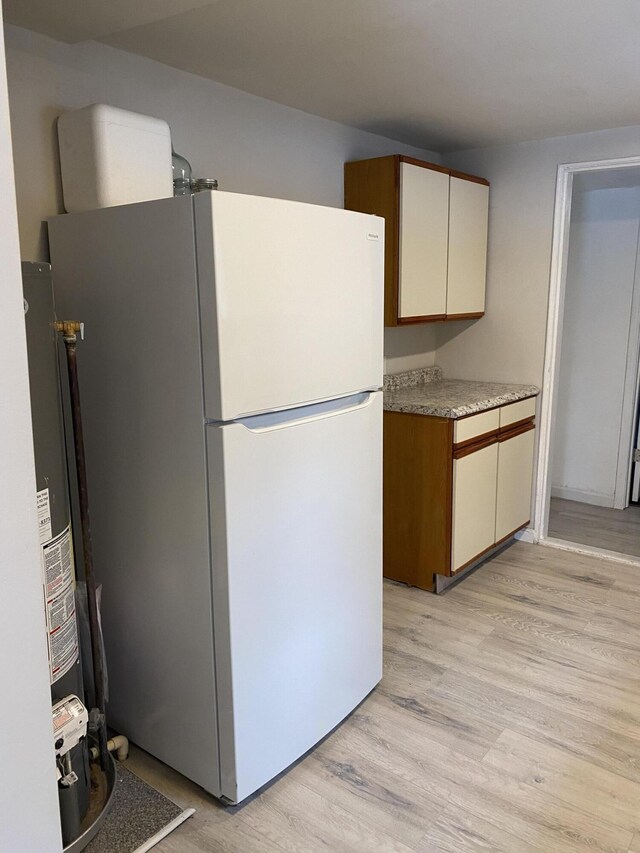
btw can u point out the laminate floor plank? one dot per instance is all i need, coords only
(573, 780)
(496, 601)
(581, 569)
(296, 818)
(512, 806)
(576, 684)
(609, 653)
(626, 573)
(541, 588)
(610, 659)
(372, 793)
(458, 831)
(438, 632)
(511, 620)
(214, 836)
(456, 726)
(554, 673)
(623, 597)
(403, 669)
(408, 603)
(598, 526)
(508, 719)
(597, 743)
(621, 627)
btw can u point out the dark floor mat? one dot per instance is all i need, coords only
(138, 812)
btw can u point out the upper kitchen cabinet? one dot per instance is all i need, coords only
(435, 236)
(467, 264)
(422, 243)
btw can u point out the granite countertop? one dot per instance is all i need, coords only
(427, 392)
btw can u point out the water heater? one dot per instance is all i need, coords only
(59, 582)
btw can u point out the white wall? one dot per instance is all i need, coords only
(595, 336)
(250, 144)
(29, 819)
(508, 343)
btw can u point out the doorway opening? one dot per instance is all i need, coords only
(588, 495)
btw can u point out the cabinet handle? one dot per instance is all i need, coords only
(474, 447)
(517, 429)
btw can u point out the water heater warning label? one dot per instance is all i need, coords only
(62, 630)
(44, 515)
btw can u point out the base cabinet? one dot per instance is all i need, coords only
(474, 503)
(515, 473)
(417, 496)
(454, 489)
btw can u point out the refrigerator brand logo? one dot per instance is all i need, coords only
(371, 235)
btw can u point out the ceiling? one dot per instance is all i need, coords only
(439, 74)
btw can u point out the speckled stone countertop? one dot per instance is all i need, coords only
(426, 392)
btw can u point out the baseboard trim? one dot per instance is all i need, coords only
(445, 582)
(593, 498)
(527, 535)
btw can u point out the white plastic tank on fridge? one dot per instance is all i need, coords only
(231, 381)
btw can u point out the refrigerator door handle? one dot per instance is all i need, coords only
(307, 414)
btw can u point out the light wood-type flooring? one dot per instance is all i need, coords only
(598, 526)
(508, 720)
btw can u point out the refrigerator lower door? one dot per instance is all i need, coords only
(296, 515)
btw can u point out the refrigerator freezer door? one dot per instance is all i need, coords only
(291, 301)
(296, 539)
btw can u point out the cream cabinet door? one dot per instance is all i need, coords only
(424, 226)
(515, 470)
(467, 262)
(474, 504)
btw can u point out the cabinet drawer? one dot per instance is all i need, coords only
(476, 425)
(515, 412)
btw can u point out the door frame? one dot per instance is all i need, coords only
(557, 289)
(630, 397)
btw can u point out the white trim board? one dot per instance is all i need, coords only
(29, 809)
(630, 397)
(526, 535)
(557, 283)
(592, 498)
(589, 551)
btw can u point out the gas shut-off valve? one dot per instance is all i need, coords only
(70, 719)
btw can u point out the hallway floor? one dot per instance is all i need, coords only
(598, 526)
(508, 720)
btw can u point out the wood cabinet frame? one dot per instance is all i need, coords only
(417, 495)
(373, 186)
(419, 452)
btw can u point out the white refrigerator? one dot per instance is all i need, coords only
(230, 381)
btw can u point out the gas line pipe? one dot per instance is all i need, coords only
(69, 330)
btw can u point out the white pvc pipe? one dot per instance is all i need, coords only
(165, 831)
(118, 744)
